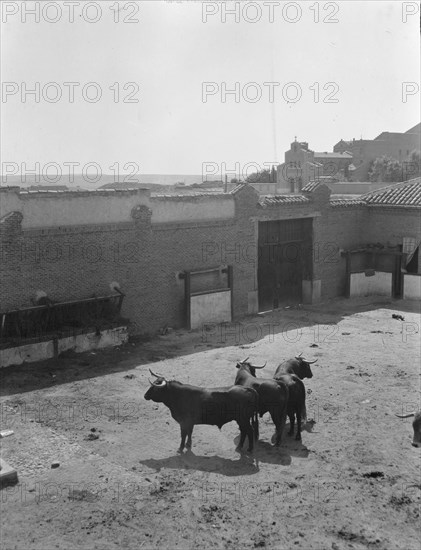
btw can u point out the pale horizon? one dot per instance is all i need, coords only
(362, 61)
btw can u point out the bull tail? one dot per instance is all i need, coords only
(256, 426)
(304, 414)
(304, 411)
(256, 418)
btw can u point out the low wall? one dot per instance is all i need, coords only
(170, 209)
(41, 210)
(379, 284)
(412, 287)
(38, 351)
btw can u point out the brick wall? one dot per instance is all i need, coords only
(390, 225)
(145, 259)
(335, 228)
(339, 228)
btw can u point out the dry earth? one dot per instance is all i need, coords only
(353, 482)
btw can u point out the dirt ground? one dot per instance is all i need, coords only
(353, 481)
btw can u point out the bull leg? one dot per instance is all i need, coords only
(304, 413)
(183, 439)
(256, 428)
(278, 435)
(251, 436)
(280, 426)
(298, 436)
(298, 414)
(291, 417)
(243, 433)
(189, 434)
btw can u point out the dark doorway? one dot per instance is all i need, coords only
(285, 254)
(412, 265)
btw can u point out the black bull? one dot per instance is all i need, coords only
(296, 401)
(297, 365)
(191, 405)
(273, 396)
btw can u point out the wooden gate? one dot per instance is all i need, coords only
(208, 296)
(285, 254)
(372, 270)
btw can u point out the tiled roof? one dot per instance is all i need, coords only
(311, 186)
(122, 186)
(275, 200)
(407, 194)
(237, 188)
(189, 196)
(78, 191)
(333, 155)
(343, 203)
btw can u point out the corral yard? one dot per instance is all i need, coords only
(353, 481)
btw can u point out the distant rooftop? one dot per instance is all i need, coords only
(407, 194)
(275, 200)
(333, 155)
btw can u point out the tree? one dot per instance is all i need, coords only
(265, 176)
(274, 175)
(386, 169)
(412, 167)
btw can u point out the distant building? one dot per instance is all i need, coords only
(349, 160)
(303, 165)
(398, 145)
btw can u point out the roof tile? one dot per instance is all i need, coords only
(407, 193)
(311, 186)
(341, 203)
(275, 200)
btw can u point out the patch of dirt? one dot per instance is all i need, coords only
(349, 484)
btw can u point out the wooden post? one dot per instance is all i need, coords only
(187, 298)
(348, 275)
(231, 285)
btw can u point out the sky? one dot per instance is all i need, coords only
(337, 71)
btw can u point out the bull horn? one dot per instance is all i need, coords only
(258, 366)
(151, 383)
(306, 360)
(156, 375)
(244, 360)
(405, 415)
(299, 355)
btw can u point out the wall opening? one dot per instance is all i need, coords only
(284, 261)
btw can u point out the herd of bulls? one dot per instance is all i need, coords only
(281, 396)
